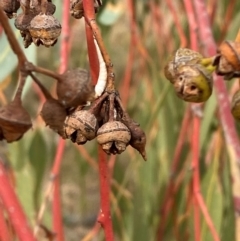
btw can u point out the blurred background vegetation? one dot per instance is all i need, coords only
(139, 40)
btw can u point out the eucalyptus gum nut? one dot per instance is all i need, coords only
(193, 83)
(230, 50)
(45, 29)
(76, 8)
(10, 7)
(75, 88)
(54, 115)
(180, 58)
(113, 136)
(81, 126)
(14, 121)
(235, 106)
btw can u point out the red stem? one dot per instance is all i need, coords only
(105, 215)
(196, 181)
(129, 65)
(4, 230)
(89, 13)
(168, 197)
(56, 205)
(13, 208)
(179, 28)
(196, 127)
(64, 56)
(198, 199)
(220, 87)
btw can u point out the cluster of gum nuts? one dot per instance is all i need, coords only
(36, 22)
(69, 115)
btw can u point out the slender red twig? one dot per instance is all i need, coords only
(168, 196)
(129, 65)
(227, 20)
(105, 214)
(196, 127)
(195, 144)
(196, 181)
(179, 28)
(64, 56)
(4, 230)
(13, 208)
(220, 87)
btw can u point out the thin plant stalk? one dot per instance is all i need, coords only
(229, 129)
(14, 208)
(64, 56)
(105, 215)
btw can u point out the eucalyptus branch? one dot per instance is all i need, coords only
(12, 39)
(96, 32)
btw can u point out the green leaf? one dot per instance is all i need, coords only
(38, 160)
(212, 194)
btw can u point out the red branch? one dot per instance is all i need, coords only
(89, 13)
(4, 230)
(169, 194)
(64, 56)
(220, 87)
(105, 214)
(179, 28)
(196, 181)
(56, 205)
(198, 199)
(14, 209)
(129, 64)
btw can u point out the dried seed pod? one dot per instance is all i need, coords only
(22, 22)
(75, 88)
(44, 29)
(235, 107)
(180, 58)
(76, 8)
(10, 7)
(193, 83)
(138, 137)
(113, 136)
(54, 115)
(14, 121)
(81, 126)
(228, 59)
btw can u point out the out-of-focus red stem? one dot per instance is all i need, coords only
(192, 24)
(13, 208)
(220, 87)
(213, 4)
(168, 196)
(227, 19)
(179, 28)
(195, 144)
(64, 56)
(128, 70)
(196, 126)
(196, 181)
(56, 205)
(4, 231)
